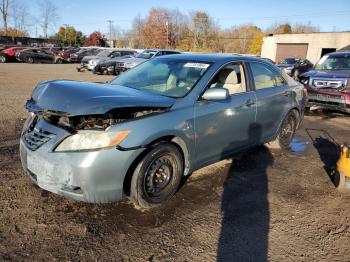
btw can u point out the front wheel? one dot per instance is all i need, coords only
(30, 60)
(2, 59)
(286, 133)
(157, 176)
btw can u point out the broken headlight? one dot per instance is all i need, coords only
(91, 140)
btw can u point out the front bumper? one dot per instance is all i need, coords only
(333, 102)
(95, 176)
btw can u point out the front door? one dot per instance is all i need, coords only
(222, 127)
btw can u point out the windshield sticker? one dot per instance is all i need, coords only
(197, 65)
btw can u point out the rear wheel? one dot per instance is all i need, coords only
(2, 59)
(157, 176)
(30, 60)
(59, 61)
(286, 133)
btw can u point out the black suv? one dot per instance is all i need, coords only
(295, 66)
(108, 66)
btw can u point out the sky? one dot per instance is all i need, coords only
(90, 15)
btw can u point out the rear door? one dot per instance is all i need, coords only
(273, 96)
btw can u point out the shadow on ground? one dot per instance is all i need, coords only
(245, 208)
(327, 148)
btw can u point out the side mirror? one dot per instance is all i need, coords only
(216, 94)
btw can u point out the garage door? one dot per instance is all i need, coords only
(290, 50)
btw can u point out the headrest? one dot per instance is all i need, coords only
(228, 76)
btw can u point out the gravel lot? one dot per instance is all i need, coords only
(263, 205)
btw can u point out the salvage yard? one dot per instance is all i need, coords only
(280, 206)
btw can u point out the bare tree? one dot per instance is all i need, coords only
(48, 15)
(20, 15)
(4, 8)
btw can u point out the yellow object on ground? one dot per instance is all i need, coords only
(342, 179)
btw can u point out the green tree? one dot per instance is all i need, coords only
(70, 36)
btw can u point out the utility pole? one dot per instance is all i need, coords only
(167, 33)
(110, 22)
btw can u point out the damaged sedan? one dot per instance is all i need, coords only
(146, 130)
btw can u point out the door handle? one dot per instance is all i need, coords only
(249, 103)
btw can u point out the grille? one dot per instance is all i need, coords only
(120, 64)
(330, 84)
(36, 138)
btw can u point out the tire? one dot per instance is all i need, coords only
(59, 61)
(285, 133)
(30, 60)
(157, 176)
(2, 59)
(111, 72)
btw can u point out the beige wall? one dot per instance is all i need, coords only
(316, 42)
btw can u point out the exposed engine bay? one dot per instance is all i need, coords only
(96, 122)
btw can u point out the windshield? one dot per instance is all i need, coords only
(174, 78)
(146, 54)
(334, 62)
(290, 61)
(104, 53)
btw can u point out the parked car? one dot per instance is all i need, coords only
(108, 66)
(140, 134)
(8, 55)
(295, 66)
(78, 56)
(67, 52)
(89, 62)
(128, 63)
(328, 84)
(36, 55)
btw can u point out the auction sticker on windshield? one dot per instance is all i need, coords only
(197, 65)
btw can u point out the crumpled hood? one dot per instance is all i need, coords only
(328, 74)
(84, 98)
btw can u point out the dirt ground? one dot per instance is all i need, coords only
(264, 205)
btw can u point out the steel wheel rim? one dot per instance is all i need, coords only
(287, 131)
(158, 176)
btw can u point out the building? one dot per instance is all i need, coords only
(28, 41)
(311, 46)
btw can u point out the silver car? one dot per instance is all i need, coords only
(143, 132)
(128, 63)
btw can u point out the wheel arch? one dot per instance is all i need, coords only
(296, 113)
(175, 140)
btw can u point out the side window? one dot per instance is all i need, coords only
(264, 77)
(231, 77)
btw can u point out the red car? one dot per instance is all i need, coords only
(65, 54)
(328, 84)
(9, 54)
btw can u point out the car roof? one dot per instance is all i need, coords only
(340, 53)
(211, 57)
